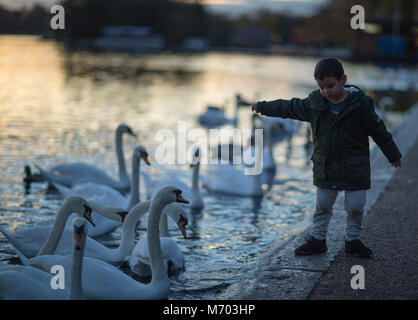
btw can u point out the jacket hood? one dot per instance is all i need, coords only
(318, 102)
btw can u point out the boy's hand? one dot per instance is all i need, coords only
(396, 163)
(254, 107)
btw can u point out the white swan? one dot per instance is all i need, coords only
(44, 240)
(227, 179)
(269, 164)
(214, 117)
(281, 129)
(29, 283)
(192, 193)
(103, 281)
(173, 257)
(107, 196)
(95, 249)
(139, 261)
(76, 173)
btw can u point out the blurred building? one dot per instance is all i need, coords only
(129, 38)
(387, 40)
(255, 37)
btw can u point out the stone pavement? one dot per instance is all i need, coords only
(390, 229)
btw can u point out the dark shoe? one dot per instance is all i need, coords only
(311, 246)
(357, 248)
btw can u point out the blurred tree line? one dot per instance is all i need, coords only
(331, 24)
(177, 19)
(34, 20)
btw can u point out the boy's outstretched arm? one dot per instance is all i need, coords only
(375, 127)
(295, 108)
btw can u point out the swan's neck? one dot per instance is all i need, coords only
(119, 153)
(195, 178)
(256, 187)
(236, 115)
(76, 288)
(135, 182)
(108, 212)
(153, 235)
(267, 139)
(164, 223)
(55, 234)
(128, 230)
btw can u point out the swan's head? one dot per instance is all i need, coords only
(80, 206)
(168, 194)
(123, 128)
(179, 216)
(196, 157)
(141, 153)
(80, 228)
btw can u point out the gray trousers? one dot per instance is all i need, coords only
(354, 202)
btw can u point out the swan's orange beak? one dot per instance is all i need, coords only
(182, 225)
(87, 215)
(180, 198)
(145, 158)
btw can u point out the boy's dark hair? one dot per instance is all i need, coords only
(329, 67)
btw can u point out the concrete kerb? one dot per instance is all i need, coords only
(280, 275)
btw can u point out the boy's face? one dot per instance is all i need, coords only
(332, 89)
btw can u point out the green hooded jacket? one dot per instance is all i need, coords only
(341, 156)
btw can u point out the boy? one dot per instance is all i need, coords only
(342, 117)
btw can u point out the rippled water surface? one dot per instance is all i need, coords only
(58, 106)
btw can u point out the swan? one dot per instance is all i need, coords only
(227, 179)
(44, 240)
(214, 117)
(174, 260)
(281, 129)
(29, 283)
(103, 281)
(173, 257)
(76, 173)
(97, 250)
(107, 196)
(269, 164)
(192, 193)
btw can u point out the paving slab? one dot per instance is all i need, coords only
(279, 274)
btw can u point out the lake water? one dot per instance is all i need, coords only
(58, 106)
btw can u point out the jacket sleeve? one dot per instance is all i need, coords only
(295, 108)
(375, 127)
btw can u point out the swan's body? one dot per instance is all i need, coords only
(280, 129)
(174, 260)
(227, 179)
(215, 117)
(101, 280)
(108, 196)
(29, 283)
(77, 173)
(45, 240)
